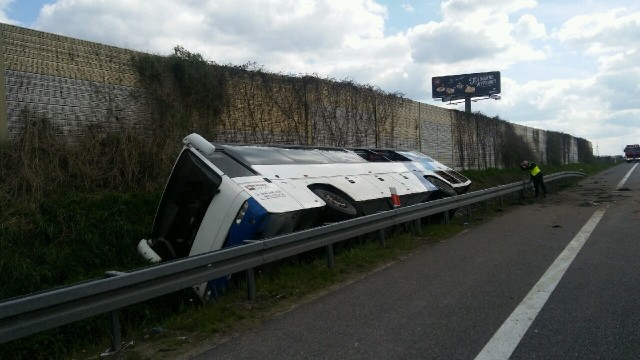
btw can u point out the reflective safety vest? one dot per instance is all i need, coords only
(535, 171)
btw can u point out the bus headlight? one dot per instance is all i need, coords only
(241, 212)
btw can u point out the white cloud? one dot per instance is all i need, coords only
(226, 30)
(614, 30)
(4, 4)
(528, 28)
(619, 79)
(407, 7)
(468, 10)
(474, 32)
(450, 43)
(611, 40)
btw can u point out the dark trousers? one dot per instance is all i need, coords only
(538, 182)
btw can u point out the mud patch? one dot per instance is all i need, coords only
(588, 204)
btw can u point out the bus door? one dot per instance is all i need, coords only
(189, 192)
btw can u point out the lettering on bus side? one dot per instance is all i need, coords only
(264, 191)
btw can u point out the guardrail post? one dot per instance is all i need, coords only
(114, 330)
(418, 226)
(329, 256)
(382, 239)
(114, 322)
(501, 202)
(251, 284)
(446, 217)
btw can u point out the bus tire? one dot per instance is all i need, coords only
(339, 206)
(443, 188)
(444, 191)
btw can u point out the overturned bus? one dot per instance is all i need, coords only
(220, 195)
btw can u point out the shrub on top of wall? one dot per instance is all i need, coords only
(513, 148)
(188, 91)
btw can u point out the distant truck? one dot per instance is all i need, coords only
(632, 152)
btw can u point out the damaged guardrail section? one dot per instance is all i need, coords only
(33, 313)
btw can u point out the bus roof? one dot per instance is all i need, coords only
(280, 155)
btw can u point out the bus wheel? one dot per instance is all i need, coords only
(339, 206)
(443, 188)
(444, 191)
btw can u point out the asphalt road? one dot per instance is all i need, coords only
(448, 300)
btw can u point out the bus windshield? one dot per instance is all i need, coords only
(185, 200)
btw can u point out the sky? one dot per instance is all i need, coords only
(571, 66)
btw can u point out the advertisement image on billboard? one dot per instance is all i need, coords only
(456, 87)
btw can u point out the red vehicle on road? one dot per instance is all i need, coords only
(632, 152)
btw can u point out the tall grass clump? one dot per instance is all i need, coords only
(72, 210)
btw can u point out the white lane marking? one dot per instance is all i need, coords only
(624, 179)
(505, 340)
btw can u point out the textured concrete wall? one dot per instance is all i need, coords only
(70, 81)
(75, 83)
(4, 126)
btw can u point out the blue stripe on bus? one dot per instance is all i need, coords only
(238, 233)
(420, 175)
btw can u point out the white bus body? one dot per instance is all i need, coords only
(441, 175)
(218, 196)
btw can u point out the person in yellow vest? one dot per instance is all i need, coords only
(537, 177)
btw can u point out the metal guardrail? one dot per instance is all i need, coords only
(33, 313)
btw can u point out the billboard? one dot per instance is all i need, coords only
(456, 87)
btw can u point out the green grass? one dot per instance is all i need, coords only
(71, 237)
